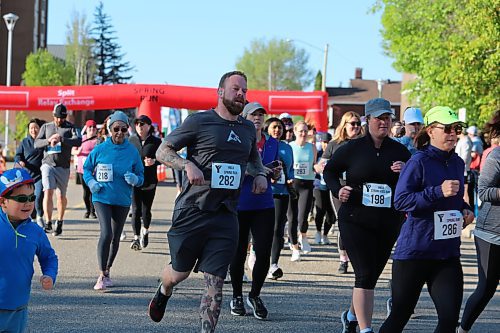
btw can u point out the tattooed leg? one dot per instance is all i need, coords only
(211, 303)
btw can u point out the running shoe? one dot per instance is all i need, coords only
(295, 255)
(257, 306)
(135, 245)
(343, 267)
(48, 227)
(317, 238)
(86, 215)
(123, 236)
(99, 285)
(290, 246)
(158, 305)
(58, 230)
(251, 259)
(108, 283)
(275, 273)
(144, 240)
(92, 215)
(237, 306)
(40, 222)
(306, 248)
(325, 240)
(348, 326)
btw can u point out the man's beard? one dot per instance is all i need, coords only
(232, 107)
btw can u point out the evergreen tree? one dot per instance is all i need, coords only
(108, 58)
(318, 81)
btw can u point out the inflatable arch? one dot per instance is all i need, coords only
(150, 99)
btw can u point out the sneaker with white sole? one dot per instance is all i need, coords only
(135, 245)
(295, 255)
(144, 238)
(99, 285)
(258, 307)
(325, 240)
(275, 272)
(237, 306)
(306, 247)
(348, 326)
(317, 238)
(108, 283)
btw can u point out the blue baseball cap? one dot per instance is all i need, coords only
(13, 178)
(413, 115)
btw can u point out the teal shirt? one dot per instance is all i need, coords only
(303, 161)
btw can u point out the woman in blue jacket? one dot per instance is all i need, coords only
(110, 171)
(430, 190)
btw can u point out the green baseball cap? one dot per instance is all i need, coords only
(441, 114)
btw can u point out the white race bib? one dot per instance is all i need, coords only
(301, 168)
(226, 176)
(282, 178)
(447, 224)
(54, 149)
(104, 173)
(377, 195)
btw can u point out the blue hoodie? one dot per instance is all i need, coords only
(249, 200)
(123, 157)
(286, 157)
(17, 254)
(419, 194)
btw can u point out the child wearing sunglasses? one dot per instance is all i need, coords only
(21, 240)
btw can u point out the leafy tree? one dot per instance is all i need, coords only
(107, 52)
(22, 122)
(79, 49)
(453, 48)
(318, 81)
(43, 69)
(276, 64)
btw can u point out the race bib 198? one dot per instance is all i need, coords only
(301, 169)
(447, 224)
(104, 173)
(377, 195)
(226, 176)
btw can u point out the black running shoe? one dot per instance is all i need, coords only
(86, 215)
(258, 308)
(277, 274)
(348, 326)
(144, 240)
(48, 227)
(158, 305)
(237, 306)
(343, 267)
(92, 215)
(59, 226)
(135, 245)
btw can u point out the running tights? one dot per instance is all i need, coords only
(261, 224)
(111, 221)
(87, 195)
(324, 211)
(299, 208)
(445, 282)
(280, 206)
(489, 274)
(142, 201)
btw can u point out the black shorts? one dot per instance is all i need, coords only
(202, 240)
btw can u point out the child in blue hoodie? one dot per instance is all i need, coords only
(21, 240)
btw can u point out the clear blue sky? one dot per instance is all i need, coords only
(194, 42)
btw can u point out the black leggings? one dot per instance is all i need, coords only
(261, 224)
(111, 221)
(299, 208)
(324, 211)
(336, 206)
(87, 195)
(489, 275)
(280, 207)
(368, 249)
(445, 282)
(142, 201)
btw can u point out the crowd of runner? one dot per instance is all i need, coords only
(248, 187)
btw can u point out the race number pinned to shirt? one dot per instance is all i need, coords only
(301, 168)
(104, 173)
(226, 176)
(54, 149)
(377, 195)
(447, 224)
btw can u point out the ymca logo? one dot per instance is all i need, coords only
(440, 217)
(233, 137)
(218, 167)
(368, 187)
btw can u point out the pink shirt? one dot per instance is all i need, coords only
(86, 148)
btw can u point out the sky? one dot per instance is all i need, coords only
(194, 42)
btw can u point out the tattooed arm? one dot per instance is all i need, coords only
(167, 155)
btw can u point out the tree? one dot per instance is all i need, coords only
(318, 81)
(453, 48)
(79, 49)
(43, 69)
(22, 122)
(275, 65)
(107, 52)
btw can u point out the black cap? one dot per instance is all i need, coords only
(60, 111)
(143, 119)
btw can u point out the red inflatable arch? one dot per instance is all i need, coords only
(150, 98)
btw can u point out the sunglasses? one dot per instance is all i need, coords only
(140, 124)
(355, 123)
(457, 128)
(118, 129)
(23, 198)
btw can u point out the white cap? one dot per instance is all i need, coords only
(285, 115)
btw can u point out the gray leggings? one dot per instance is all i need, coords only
(111, 220)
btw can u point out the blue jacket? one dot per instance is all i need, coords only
(17, 254)
(249, 200)
(123, 157)
(31, 156)
(286, 157)
(419, 194)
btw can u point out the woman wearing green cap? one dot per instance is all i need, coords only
(430, 190)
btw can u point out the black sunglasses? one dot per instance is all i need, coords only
(355, 123)
(22, 198)
(118, 129)
(140, 123)
(457, 128)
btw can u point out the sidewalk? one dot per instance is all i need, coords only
(309, 298)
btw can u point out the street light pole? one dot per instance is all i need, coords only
(10, 21)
